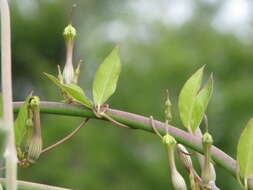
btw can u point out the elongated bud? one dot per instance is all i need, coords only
(34, 145)
(176, 178)
(206, 175)
(178, 181)
(167, 110)
(185, 159)
(69, 34)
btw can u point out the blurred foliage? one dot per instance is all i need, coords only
(102, 156)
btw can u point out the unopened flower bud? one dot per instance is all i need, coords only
(169, 140)
(207, 173)
(34, 141)
(34, 101)
(167, 110)
(35, 148)
(69, 32)
(68, 71)
(186, 159)
(178, 181)
(207, 139)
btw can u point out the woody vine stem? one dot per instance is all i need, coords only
(135, 121)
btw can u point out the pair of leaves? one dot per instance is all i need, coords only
(245, 151)
(193, 101)
(104, 84)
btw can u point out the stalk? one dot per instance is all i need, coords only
(10, 151)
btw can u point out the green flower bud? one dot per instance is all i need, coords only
(207, 139)
(169, 140)
(167, 110)
(69, 32)
(34, 101)
(207, 172)
(34, 139)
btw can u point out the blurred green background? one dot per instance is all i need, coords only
(162, 43)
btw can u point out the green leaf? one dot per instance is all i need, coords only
(105, 81)
(20, 123)
(245, 151)
(72, 90)
(201, 103)
(187, 97)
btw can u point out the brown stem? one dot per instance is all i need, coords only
(66, 138)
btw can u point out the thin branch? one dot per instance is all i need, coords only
(143, 123)
(67, 137)
(102, 114)
(154, 127)
(10, 151)
(24, 185)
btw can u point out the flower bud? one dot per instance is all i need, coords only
(34, 101)
(177, 180)
(35, 148)
(207, 139)
(169, 140)
(186, 159)
(34, 141)
(167, 110)
(69, 33)
(207, 173)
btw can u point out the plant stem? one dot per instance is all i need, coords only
(140, 122)
(23, 185)
(66, 138)
(10, 151)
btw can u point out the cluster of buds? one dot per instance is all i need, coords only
(69, 76)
